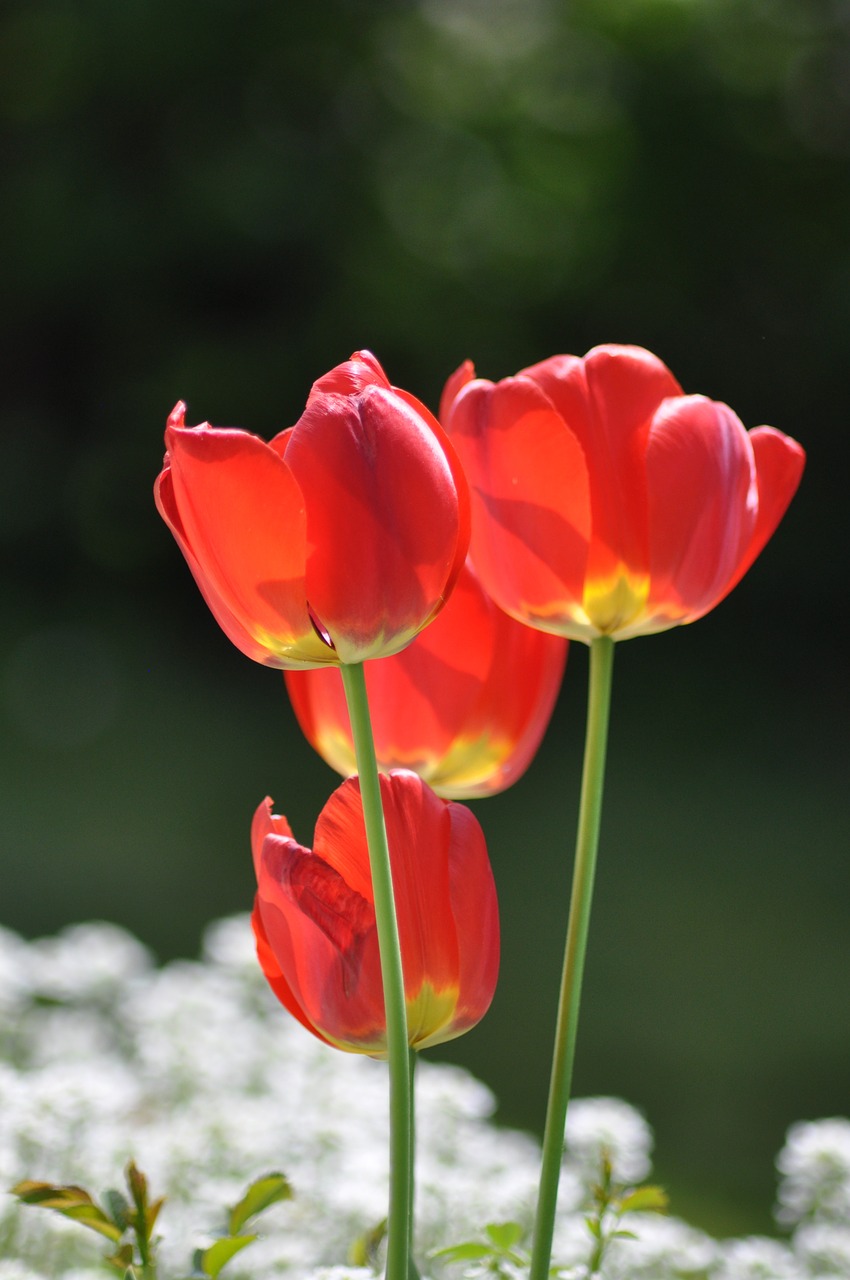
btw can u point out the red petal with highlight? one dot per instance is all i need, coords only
(530, 496)
(702, 504)
(382, 519)
(352, 377)
(242, 514)
(607, 400)
(272, 972)
(779, 468)
(465, 705)
(475, 909)
(419, 835)
(233, 627)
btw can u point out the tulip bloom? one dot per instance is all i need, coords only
(465, 705)
(314, 917)
(337, 541)
(607, 502)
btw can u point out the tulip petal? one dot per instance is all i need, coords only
(454, 385)
(464, 508)
(311, 926)
(235, 630)
(530, 496)
(322, 934)
(473, 898)
(607, 400)
(516, 699)
(266, 823)
(779, 468)
(419, 836)
(416, 819)
(340, 838)
(419, 698)
(274, 975)
(702, 493)
(322, 896)
(382, 519)
(242, 513)
(351, 377)
(465, 705)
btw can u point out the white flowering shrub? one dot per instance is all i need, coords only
(195, 1073)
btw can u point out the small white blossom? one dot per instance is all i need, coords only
(15, 983)
(757, 1258)
(341, 1273)
(12, 1270)
(609, 1127)
(824, 1247)
(87, 962)
(815, 1172)
(663, 1247)
(195, 1072)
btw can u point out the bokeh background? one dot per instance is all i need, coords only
(218, 200)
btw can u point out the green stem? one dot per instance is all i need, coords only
(399, 1215)
(587, 842)
(413, 1270)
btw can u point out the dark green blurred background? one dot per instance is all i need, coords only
(218, 201)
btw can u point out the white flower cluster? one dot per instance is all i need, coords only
(196, 1073)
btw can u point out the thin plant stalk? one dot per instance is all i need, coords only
(587, 843)
(401, 1111)
(413, 1270)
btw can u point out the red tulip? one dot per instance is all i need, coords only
(335, 542)
(607, 502)
(465, 705)
(314, 917)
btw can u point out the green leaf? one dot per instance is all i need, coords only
(94, 1218)
(151, 1215)
(471, 1251)
(138, 1185)
(260, 1195)
(50, 1194)
(220, 1253)
(645, 1199)
(122, 1260)
(504, 1234)
(72, 1202)
(593, 1227)
(364, 1250)
(118, 1207)
(622, 1235)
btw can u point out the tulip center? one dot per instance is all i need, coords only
(431, 1016)
(613, 602)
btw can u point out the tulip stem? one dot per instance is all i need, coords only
(401, 1114)
(587, 842)
(413, 1270)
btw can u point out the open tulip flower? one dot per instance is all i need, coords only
(607, 502)
(465, 705)
(314, 917)
(336, 541)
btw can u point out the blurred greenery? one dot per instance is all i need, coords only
(217, 201)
